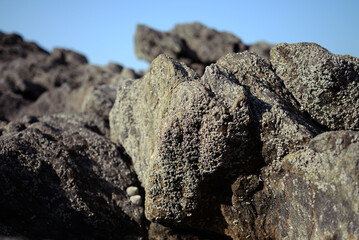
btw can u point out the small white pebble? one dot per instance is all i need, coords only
(136, 199)
(132, 191)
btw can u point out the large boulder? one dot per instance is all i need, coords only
(181, 134)
(315, 190)
(281, 126)
(324, 84)
(193, 43)
(184, 133)
(60, 179)
(35, 82)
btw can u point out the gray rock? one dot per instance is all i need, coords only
(262, 48)
(282, 128)
(35, 82)
(207, 44)
(194, 44)
(325, 85)
(180, 133)
(57, 172)
(316, 190)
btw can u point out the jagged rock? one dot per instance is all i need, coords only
(325, 85)
(61, 180)
(179, 134)
(282, 128)
(33, 81)
(262, 48)
(207, 44)
(315, 190)
(194, 44)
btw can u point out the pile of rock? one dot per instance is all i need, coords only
(253, 148)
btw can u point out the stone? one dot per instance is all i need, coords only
(136, 199)
(132, 191)
(194, 44)
(59, 173)
(35, 82)
(281, 126)
(180, 132)
(325, 85)
(261, 48)
(316, 190)
(207, 44)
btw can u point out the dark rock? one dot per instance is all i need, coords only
(314, 192)
(207, 44)
(261, 48)
(325, 85)
(193, 44)
(61, 180)
(37, 83)
(282, 128)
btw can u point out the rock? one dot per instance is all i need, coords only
(181, 134)
(35, 82)
(207, 44)
(136, 199)
(132, 191)
(67, 57)
(325, 85)
(261, 48)
(59, 173)
(315, 190)
(193, 44)
(282, 128)
(157, 231)
(150, 43)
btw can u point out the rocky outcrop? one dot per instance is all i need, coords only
(316, 190)
(237, 123)
(35, 82)
(61, 179)
(248, 149)
(324, 84)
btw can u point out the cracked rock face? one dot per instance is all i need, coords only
(324, 84)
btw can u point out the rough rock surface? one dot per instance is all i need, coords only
(35, 82)
(61, 180)
(324, 84)
(179, 133)
(194, 44)
(282, 128)
(246, 151)
(315, 190)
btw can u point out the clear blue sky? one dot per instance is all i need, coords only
(103, 30)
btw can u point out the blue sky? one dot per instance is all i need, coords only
(103, 30)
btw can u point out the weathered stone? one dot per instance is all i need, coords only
(282, 128)
(315, 190)
(35, 82)
(194, 44)
(325, 85)
(207, 44)
(60, 179)
(180, 133)
(261, 48)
